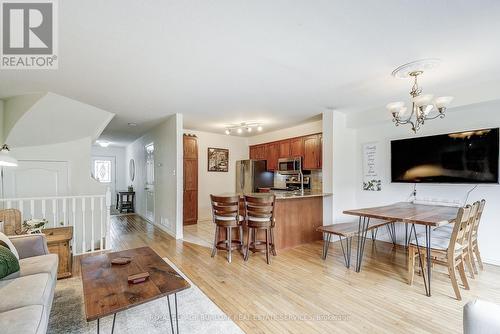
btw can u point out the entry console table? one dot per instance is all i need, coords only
(125, 200)
(429, 216)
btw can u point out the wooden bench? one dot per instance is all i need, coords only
(347, 231)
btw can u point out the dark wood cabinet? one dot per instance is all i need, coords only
(308, 147)
(272, 155)
(284, 148)
(190, 191)
(312, 152)
(297, 147)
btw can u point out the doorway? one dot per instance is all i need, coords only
(150, 182)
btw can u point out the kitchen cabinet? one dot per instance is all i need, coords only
(272, 155)
(312, 152)
(190, 189)
(284, 148)
(297, 147)
(308, 147)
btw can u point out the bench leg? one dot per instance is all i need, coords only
(326, 244)
(347, 251)
(363, 225)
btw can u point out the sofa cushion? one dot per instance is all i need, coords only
(39, 264)
(5, 241)
(28, 319)
(28, 290)
(9, 264)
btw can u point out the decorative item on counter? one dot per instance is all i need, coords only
(218, 159)
(131, 188)
(32, 226)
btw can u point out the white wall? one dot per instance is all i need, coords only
(167, 138)
(458, 119)
(216, 182)
(122, 178)
(76, 153)
(294, 131)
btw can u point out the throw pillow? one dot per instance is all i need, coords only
(4, 240)
(9, 264)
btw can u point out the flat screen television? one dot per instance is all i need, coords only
(462, 157)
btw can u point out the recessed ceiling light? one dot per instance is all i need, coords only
(249, 129)
(228, 132)
(132, 124)
(103, 143)
(259, 128)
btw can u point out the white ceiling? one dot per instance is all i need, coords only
(279, 62)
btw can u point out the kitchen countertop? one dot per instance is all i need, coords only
(284, 195)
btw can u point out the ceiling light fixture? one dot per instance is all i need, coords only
(239, 127)
(421, 104)
(132, 124)
(103, 143)
(6, 159)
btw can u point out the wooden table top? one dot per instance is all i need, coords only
(433, 215)
(106, 289)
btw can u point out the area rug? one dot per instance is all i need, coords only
(197, 313)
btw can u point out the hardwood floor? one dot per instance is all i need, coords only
(298, 291)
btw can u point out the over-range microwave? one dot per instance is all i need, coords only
(290, 165)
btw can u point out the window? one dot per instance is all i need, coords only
(102, 170)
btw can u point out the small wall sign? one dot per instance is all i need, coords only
(371, 176)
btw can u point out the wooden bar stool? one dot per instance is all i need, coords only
(226, 215)
(260, 216)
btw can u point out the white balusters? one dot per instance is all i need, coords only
(101, 215)
(54, 211)
(84, 248)
(73, 207)
(92, 227)
(32, 208)
(95, 211)
(65, 215)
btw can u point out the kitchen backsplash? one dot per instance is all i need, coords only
(316, 180)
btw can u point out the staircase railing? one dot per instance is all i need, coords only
(88, 214)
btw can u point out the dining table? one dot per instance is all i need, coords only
(428, 216)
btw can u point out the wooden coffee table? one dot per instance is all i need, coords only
(106, 289)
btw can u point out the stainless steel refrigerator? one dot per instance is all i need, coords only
(251, 175)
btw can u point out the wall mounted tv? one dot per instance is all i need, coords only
(462, 157)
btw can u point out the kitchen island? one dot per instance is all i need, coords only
(297, 215)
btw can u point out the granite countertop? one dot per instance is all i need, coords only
(283, 195)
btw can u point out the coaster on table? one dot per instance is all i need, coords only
(138, 278)
(121, 260)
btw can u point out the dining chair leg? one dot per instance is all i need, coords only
(240, 232)
(411, 265)
(229, 244)
(247, 248)
(454, 283)
(267, 245)
(468, 261)
(478, 257)
(216, 239)
(471, 259)
(463, 277)
(273, 246)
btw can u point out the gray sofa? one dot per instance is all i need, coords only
(481, 317)
(26, 296)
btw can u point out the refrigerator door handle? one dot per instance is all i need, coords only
(242, 176)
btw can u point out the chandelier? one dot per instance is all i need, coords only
(243, 126)
(423, 106)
